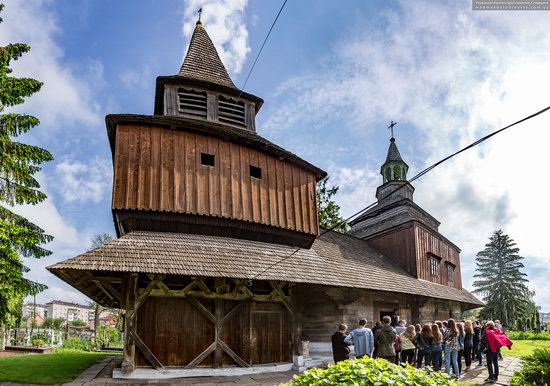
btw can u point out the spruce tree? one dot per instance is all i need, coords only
(327, 210)
(500, 280)
(19, 163)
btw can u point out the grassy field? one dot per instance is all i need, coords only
(522, 348)
(47, 369)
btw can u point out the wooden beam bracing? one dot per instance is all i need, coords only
(232, 354)
(202, 356)
(145, 350)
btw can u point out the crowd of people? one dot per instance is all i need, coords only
(442, 345)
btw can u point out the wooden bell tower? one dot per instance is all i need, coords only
(198, 165)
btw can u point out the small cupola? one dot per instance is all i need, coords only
(394, 176)
(394, 169)
(204, 90)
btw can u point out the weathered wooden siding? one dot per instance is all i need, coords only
(399, 245)
(160, 169)
(429, 243)
(410, 246)
(176, 332)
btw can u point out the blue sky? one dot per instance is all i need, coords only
(332, 75)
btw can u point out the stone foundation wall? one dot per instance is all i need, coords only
(438, 309)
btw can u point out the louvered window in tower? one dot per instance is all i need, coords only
(230, 111)
(192, 102)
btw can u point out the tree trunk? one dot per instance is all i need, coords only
(2, 338)
(505, 315)
(96, 323)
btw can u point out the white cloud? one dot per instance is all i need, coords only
(65, 97)
(80, 182)
(451, 77)
(224, 22)
(68, 242)
(137, 78)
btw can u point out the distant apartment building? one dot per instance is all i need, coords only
(59, 309)
(39, 310)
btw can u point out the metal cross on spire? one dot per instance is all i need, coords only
(392, 124)
(200, 13)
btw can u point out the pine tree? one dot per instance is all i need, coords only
(500, 280)
(327, 210)
(18, 165)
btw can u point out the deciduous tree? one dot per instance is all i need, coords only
(327, 210)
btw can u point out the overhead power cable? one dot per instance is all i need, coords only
(262, 47)
(257, 57)
(417, 176)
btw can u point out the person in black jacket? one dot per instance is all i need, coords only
(477, 339)
(340, 350)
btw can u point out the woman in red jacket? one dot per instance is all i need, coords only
(494, 339)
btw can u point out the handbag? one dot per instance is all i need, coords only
(397, 343)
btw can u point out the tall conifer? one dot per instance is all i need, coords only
(19, 163)
(500, 280)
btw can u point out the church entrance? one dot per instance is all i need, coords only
(385, 313)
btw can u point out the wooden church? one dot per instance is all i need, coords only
(217, 263)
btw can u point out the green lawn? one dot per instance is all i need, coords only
(522, 348)
(47, 369)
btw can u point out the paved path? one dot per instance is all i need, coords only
(100, 374)
(507, 366)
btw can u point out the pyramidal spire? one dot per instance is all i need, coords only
(394, 168)
(393, 152)
(202, 61)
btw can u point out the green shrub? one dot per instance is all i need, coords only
(528, 335)
(368, 371)
(535, 370)
(38, 342)
(78, 344)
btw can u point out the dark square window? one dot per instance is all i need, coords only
(255, 172)
(208, 159)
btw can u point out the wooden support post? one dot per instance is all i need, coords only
(296, 328)
(219, 314)
(130, 297)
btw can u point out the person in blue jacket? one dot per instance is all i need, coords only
(362, 339)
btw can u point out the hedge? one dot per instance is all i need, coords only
(366, 371)
(535, 370)
(528, 335)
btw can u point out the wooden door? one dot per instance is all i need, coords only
(269, 334)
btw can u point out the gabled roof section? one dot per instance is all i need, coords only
(202, 61)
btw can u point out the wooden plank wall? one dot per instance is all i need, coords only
(429, 243)
(399, 245)
(176, 332)
(159, 169)
(410, 245)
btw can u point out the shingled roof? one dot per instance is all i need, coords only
(334, 260)
(202, 61)
(393, 152)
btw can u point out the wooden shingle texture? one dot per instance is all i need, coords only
(334, 260)
(202, 61)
